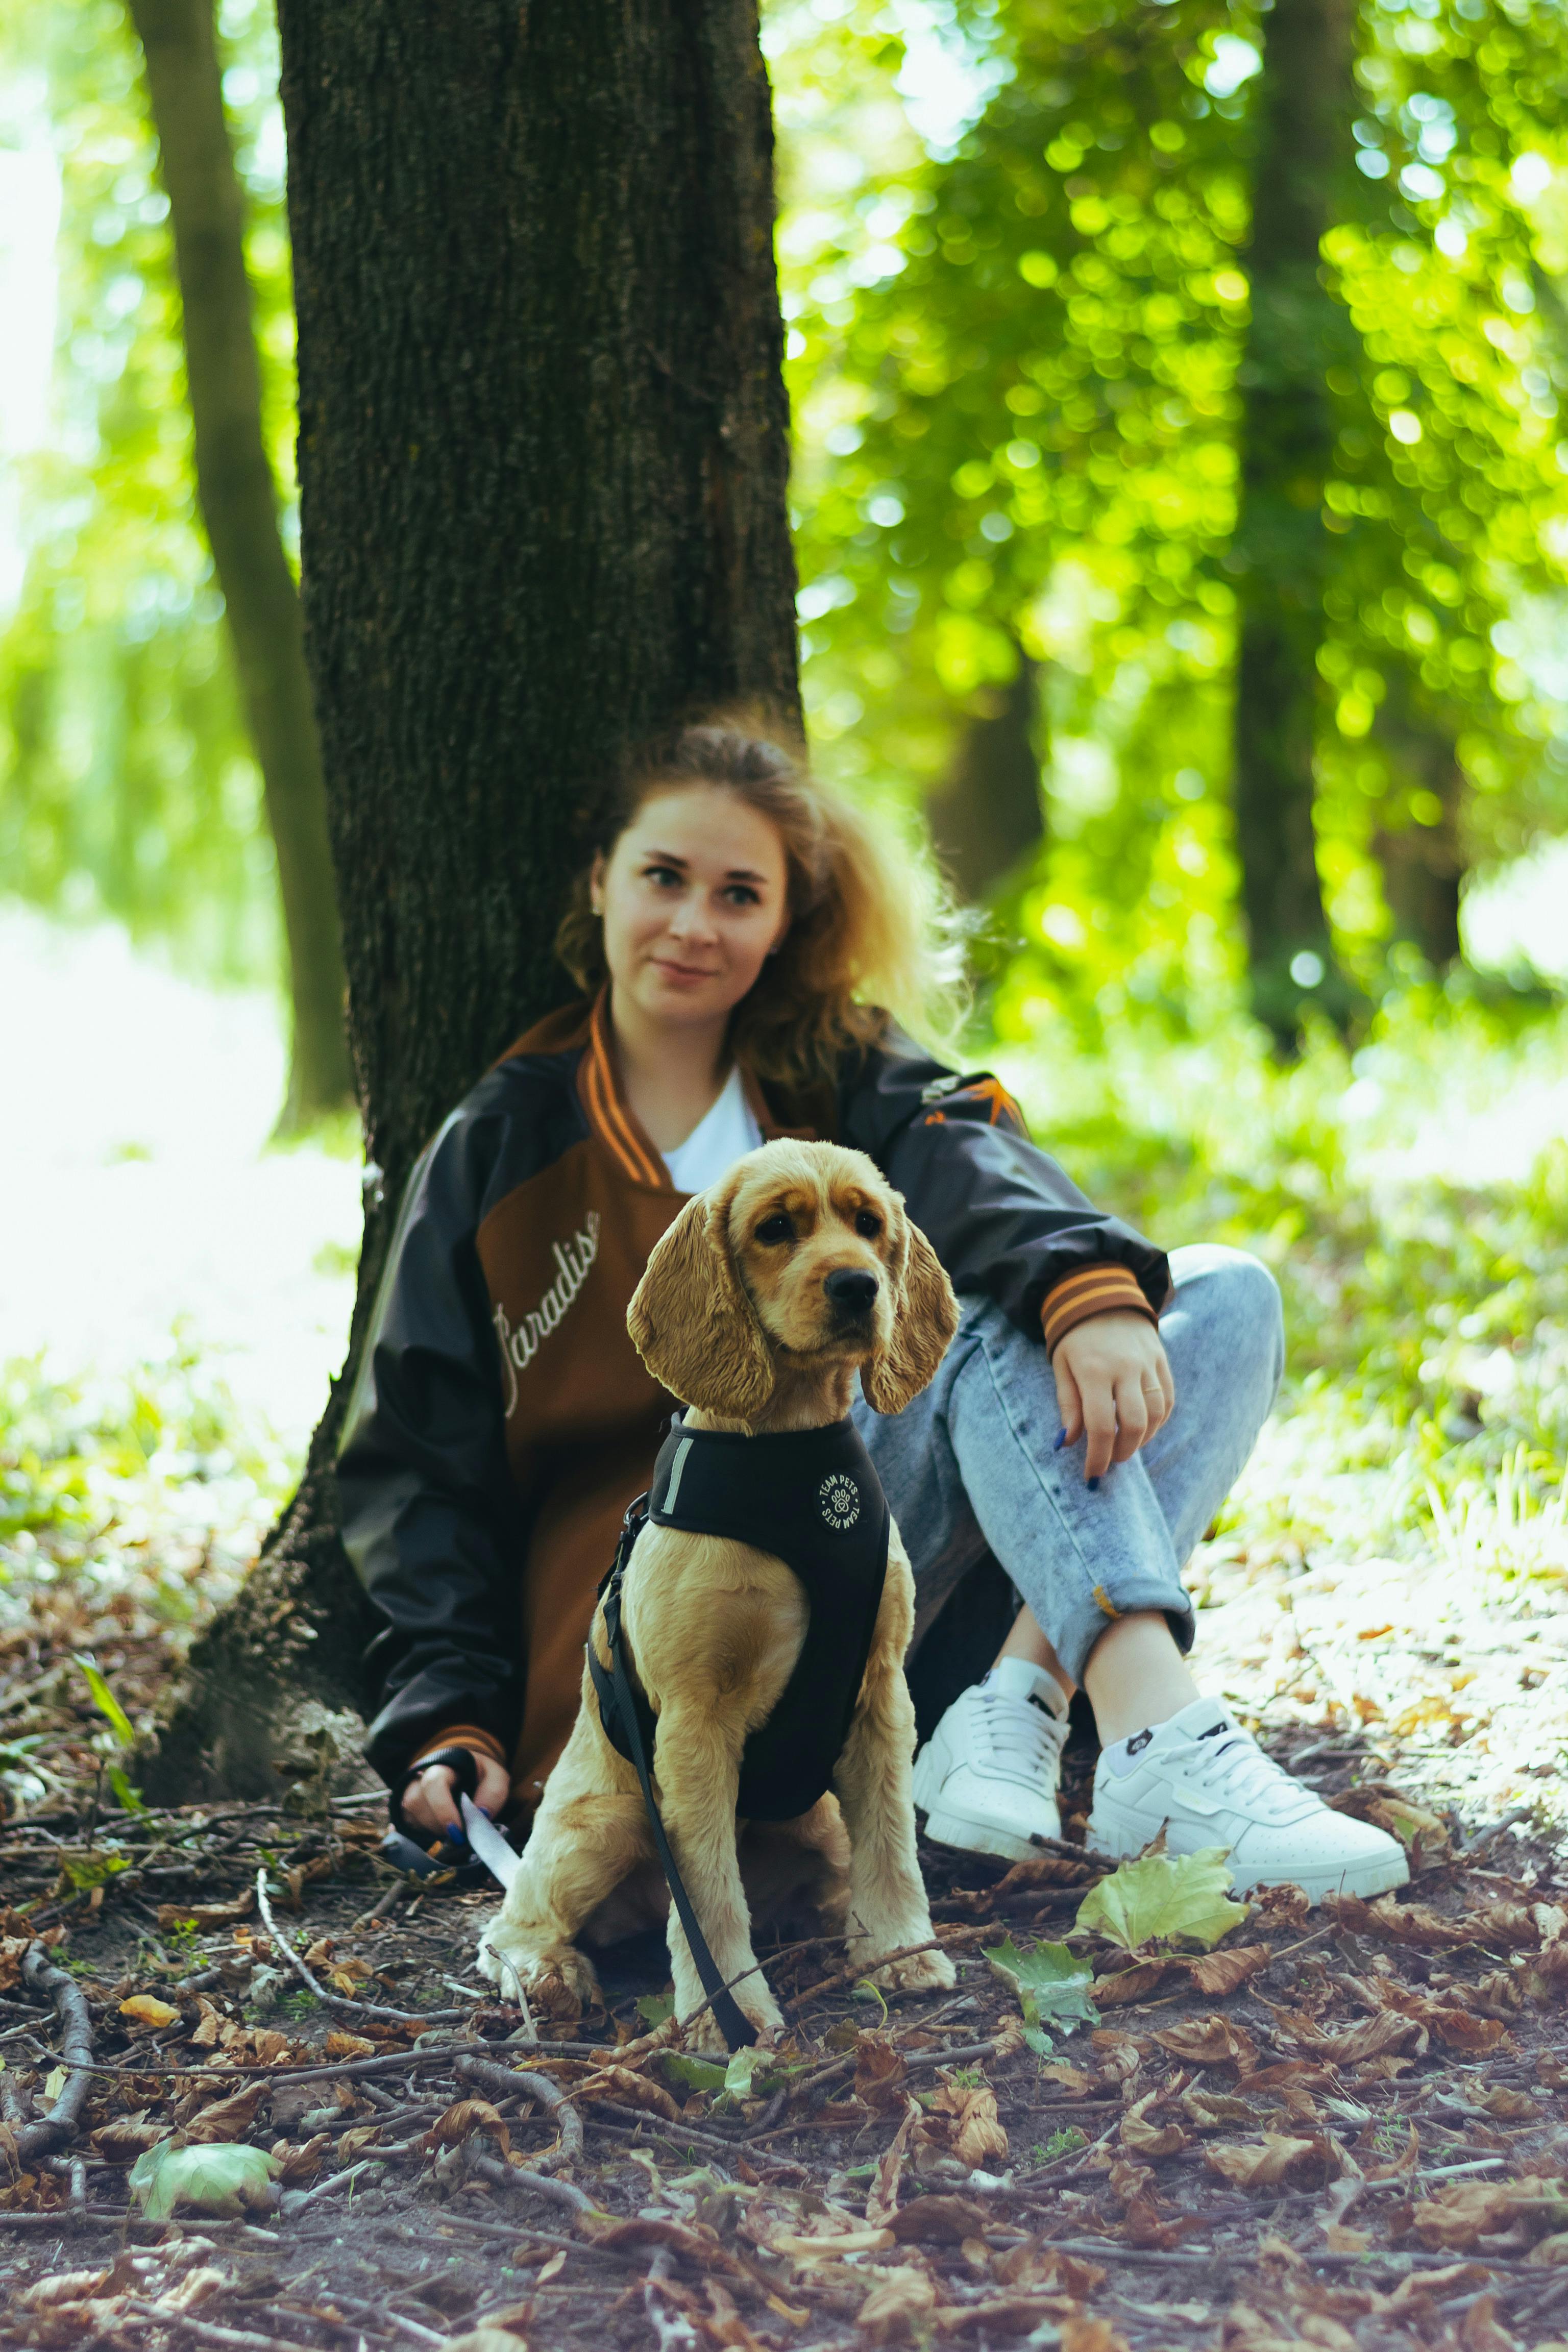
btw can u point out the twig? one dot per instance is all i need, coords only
(527, 2176)
(512, 2231)
(514, 2080)
(341, 2000)
(855, 1970)
(530, 2030)
(59, 2127)
(1485, 1837)
(291, 2211)
(669, 2323)
(205, 2331)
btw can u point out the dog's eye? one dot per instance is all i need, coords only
(865, 1222)
(776, 1228)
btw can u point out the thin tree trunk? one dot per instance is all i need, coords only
(1423, 864)
(1306, 102)
(239, 507)
(987, 815)
(543, 448)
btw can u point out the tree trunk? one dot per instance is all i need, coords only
(985, 816)
(1306, 102)
(543, 453)
(239, 507)
(1423, 860)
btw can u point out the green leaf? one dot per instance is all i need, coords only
(738, 2073)
(1052, 1985)
(225, 2179)
(86, 1871)
(128, 1799)
(1166, 1898)
(653, 2007)
(696, 2074)
(867, 1991)
(108, 1706)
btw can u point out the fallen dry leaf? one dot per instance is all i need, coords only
(1085, 2334)
(1135, 1983)
(631, 2089)
(460, 2121)
(230, 2118)
(1148, 2139)
(1210, 2042)
(938, 2221)
(882, 2202)
(1218, 1973)
(349, 2045)
(146, 2009)
(897, 2306)
(1264, 2163)
(879, 2072)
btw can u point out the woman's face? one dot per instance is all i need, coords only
(694, 897)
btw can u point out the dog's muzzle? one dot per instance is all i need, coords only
(851, 1293)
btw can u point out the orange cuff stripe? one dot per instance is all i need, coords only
(465, 1735)
(1093, 1290)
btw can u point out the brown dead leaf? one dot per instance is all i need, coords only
(349, 2045)
(1513, 1926)
(882, 2201)
(1458, 2028)
(1374, 2038)
(1551, 2251)
(897, 2305)
(977, 2135)
(1341, 2241)
(461, 2120)
(1211, 2040)
(1480, 2330)
(1264, 2163)
(62, 2286)
(1120, 2052)
(1135, 1983)
(631, 2089)
(228, 2119)
(1071, 2080)
(938, 2221)
(1085, 2334)
(1127, 2179)
(1212, 2110)
(124, 2140)
(1507, 2107)
(303, 2162)
(206, 1916)
(879, 2073)
(1147, 2139)
(1218, 1973)
(1464, 2211)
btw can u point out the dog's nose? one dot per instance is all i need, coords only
(851, 1289)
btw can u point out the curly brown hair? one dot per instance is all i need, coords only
(866, 931)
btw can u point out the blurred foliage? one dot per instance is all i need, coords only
(127, 784)
(1013, 248)
(140, 1495)
(1015, 375)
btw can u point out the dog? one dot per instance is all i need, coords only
(735, 1316)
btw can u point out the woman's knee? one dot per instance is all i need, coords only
(1232, 1299)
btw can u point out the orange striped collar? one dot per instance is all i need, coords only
(615, 1123)
(609, 1113)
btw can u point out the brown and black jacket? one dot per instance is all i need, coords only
(502, 1420)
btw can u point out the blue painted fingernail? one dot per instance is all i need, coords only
(455, 1835)
(1061, 1441)
(1094, 1486)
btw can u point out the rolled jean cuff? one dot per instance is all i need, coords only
(1074, 1637)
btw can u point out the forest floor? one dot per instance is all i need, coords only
(1344, 2128)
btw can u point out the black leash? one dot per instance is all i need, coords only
(736, 2027)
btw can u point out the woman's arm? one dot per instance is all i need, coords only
(430, 1515)
(1003, 1217)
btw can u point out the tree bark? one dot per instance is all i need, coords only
(1423, 864)
(239, 507)
(1306, 102)
(985, 816)
(543, 456)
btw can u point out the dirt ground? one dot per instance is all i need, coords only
(1342, 2127)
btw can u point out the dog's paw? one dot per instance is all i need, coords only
(929, 1971)
(557, 1980)
(704, 2038)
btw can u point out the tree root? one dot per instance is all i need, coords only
(511, 2081)
(59, 2127)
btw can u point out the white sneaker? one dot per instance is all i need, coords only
(1205, 1781)
(986, 1779)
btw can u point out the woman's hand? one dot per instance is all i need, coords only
(1114, 1385)
(431, 1800)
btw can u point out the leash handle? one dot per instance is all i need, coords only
(736, 2027)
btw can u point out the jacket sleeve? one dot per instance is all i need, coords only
(430, 1512)
(1004, 1220)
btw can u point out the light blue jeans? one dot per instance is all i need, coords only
(970, 1466)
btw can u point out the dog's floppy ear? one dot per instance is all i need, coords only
(925, 1317)
(691, 1321)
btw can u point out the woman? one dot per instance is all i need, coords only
(732, 939)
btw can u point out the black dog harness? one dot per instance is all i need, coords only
(812, 1499)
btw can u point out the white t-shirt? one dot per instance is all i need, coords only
(723, 1135)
